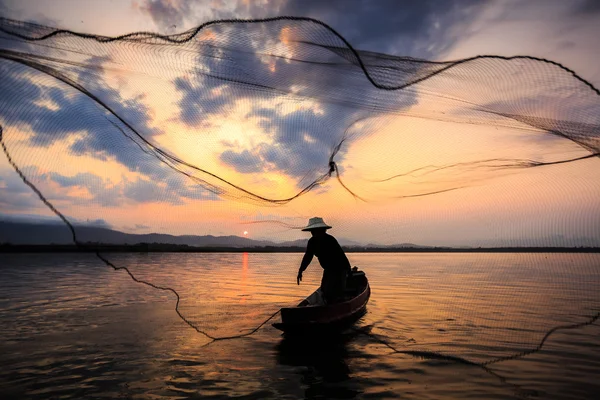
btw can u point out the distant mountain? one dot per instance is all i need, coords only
(56, 233)
(44, 233)
(49, 233)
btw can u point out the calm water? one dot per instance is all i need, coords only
(70, 327)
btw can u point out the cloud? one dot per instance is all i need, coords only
(85, 179)
(302, 141)
(97, 223)
(300, 146)
(242, 63)
(586, 7)
(201, 99)
(388, 26)
(407, 28)
(304, 95)
(278, 66)
(16, 11)
(142, 190)
(103, 192)
(561, 31)
(15, 196)
(30, 218)
(164, 12)
(177, 15)
(137, 191)
(54, 113)
(11, 183)
(43, 219)
(376, 26)
(243, 161)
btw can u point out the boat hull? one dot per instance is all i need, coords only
(305, 319)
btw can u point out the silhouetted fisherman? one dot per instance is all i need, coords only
(332, 258)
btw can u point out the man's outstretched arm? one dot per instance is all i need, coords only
(308, 256)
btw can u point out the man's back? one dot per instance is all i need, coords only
(329, 252)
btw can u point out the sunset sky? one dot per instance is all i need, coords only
(90, 177)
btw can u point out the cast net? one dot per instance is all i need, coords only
(259, 125)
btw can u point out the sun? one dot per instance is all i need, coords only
(245, 233)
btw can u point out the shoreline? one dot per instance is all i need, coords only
(166, 248)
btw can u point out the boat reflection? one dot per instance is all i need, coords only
(325, 358)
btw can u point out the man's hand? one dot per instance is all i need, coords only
(299, 279)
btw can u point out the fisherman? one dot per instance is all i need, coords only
(336, 267)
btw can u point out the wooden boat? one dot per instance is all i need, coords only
(312, 316)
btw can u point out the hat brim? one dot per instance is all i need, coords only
(318, 226)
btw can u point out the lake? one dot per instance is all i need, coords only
(71, 327)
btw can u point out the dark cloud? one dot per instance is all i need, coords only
(15, 195)
(11, 183)
(302, 143)
(418, 29)
(18, 202)
(166, 13)
(55, 113)
(52, 219)
(4, 10)
(140, 190)
(97, 223)
(222, 67)
(198, 101)
(81, 179)
(177, 15)
(303, 140)
(102, 191)
(9, 10)
(243, 63)
(30, 218)
(587, 7)
(173, 190)
(243, 161)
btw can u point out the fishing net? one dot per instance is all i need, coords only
(261, 124)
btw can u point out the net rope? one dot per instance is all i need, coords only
(373, 89)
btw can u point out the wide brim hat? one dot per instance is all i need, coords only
(316, 223)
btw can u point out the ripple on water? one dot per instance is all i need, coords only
(72, 328)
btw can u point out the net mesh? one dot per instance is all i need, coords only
(268, 122)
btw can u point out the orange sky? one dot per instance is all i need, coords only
(515, 205)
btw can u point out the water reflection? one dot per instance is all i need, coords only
(243, 289)
(244, 263)
(326, 373)
(70, 326)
